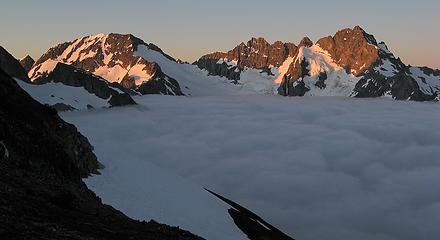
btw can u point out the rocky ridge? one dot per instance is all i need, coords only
(256, 53)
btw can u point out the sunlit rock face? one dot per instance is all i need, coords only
(256, 53)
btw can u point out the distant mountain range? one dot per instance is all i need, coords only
(351, 64)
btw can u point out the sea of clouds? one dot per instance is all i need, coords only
(317, 168)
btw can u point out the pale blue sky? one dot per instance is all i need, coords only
(188, 29)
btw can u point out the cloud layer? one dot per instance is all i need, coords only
(318, 168)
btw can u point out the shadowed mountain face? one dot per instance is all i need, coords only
(11, 65)
(27, 63)
(42, 160)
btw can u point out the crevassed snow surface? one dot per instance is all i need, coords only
(316, 167)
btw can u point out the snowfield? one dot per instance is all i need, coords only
(53, 93)
(319, 168)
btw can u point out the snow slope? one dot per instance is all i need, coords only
(318, 168)
(53, 93)
(282, 70)
(427, 83)
(338, 82)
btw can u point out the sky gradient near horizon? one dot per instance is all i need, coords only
(189, 29)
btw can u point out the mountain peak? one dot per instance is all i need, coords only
(353, 49)
(27, 57)
(306, 42)
(359, 32)
(27, 62)
(358, 28)
(260, 41)
(114, 57)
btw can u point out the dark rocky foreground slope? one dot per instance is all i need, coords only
(12, 66)
(42, 160)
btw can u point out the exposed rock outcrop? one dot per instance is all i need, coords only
(305, 42)
(27, 63)
(250, 223)
(219, 68)
(160, 83)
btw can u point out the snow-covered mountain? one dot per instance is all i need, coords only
(113, 57)
(350, 63)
